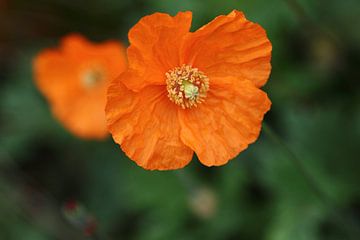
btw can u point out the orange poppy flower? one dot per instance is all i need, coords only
(188, 92)
(74, 79)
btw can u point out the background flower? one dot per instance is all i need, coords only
(74, 79)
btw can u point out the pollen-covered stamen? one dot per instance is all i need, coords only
(186, 86)
(92, 77)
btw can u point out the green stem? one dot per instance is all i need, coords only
(347, 222)
(314, 27)
(299, 165)
(298, 10)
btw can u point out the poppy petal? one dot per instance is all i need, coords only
(74, 43)
(54, 76)
(86, 113)
(231, 45)
(155, 47)
(146, 126)
(226, 123)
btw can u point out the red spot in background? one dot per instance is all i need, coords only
(90, 228)
(71, 205)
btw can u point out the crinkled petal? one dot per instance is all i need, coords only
(146, 126)
(226, 123)
(231, 45)
(155, 43)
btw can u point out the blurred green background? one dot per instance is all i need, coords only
(263, 194)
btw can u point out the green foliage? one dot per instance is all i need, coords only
(260, 195)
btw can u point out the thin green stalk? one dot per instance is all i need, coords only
(346, 222)
(298, 10)
(299, 165)
(314, 27)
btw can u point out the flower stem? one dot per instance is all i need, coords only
(314, 28)
(299, 165)
(298, 10)
(347, 222)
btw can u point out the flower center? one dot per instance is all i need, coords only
(92, 77)
(186, 86)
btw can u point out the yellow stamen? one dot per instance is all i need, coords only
(186, 86)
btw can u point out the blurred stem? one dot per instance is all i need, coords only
(35, 205)
(299, 165)
(297, 9)
(314, 27)
(347, 222)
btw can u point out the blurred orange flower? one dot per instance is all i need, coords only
(190, 91)
(74, 79)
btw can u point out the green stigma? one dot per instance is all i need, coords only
(191, 91)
